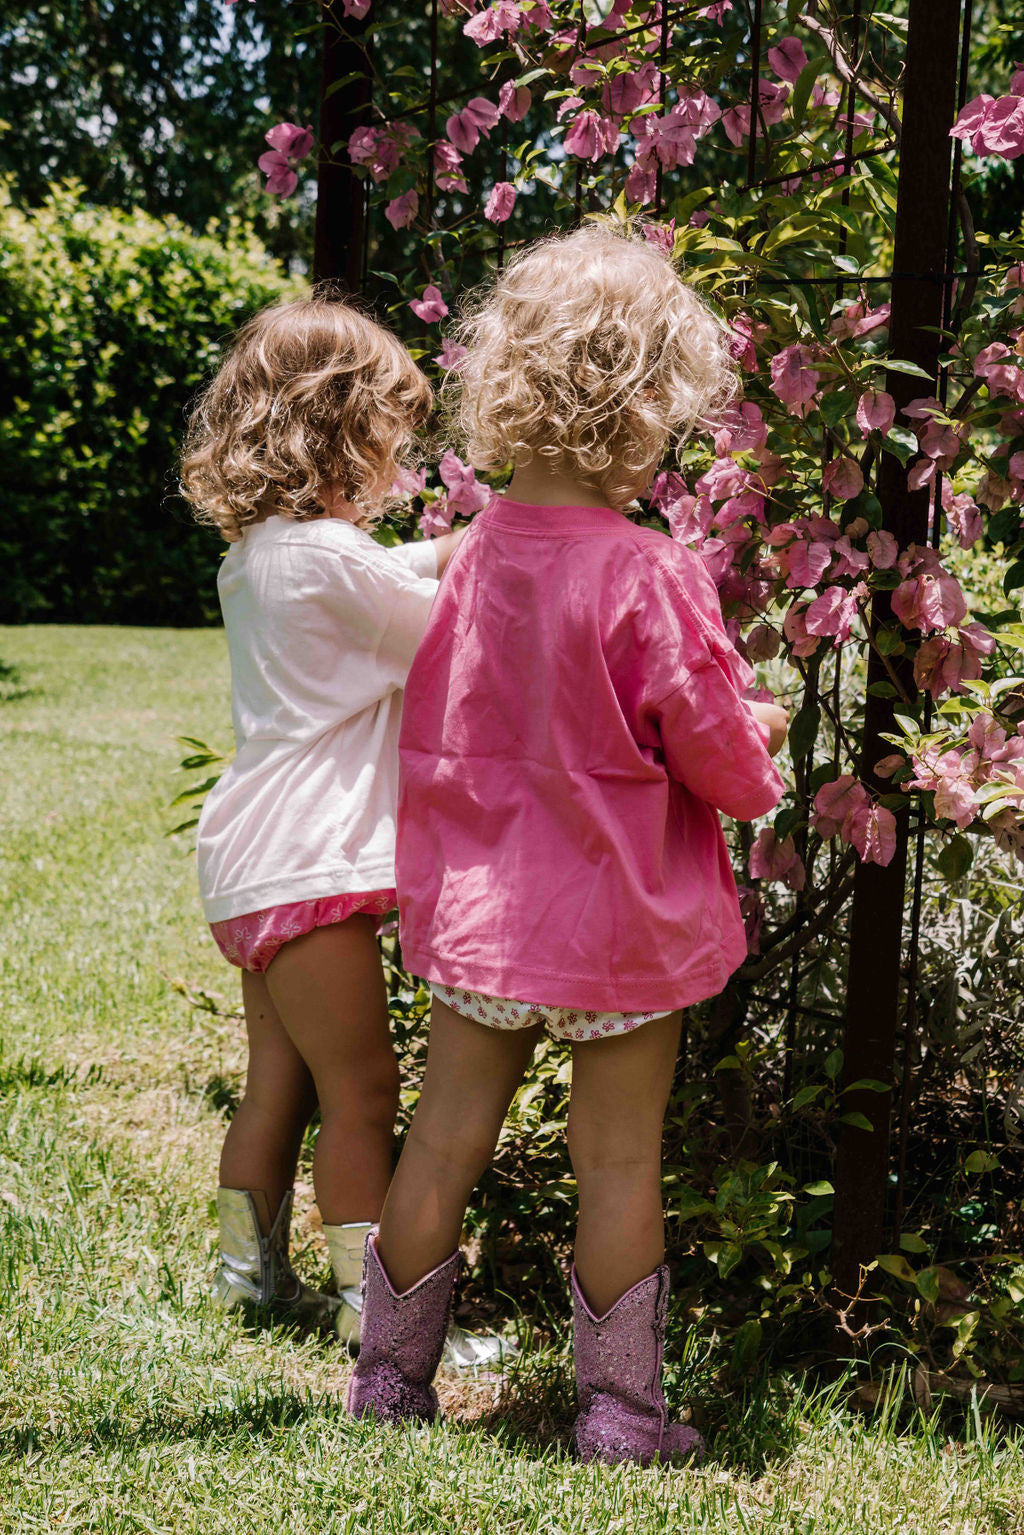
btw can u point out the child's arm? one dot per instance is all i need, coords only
(716, 742)
(775, 720)
(447, 544)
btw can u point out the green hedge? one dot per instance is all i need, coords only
(109, 321)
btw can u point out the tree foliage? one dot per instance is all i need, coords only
(109, 322)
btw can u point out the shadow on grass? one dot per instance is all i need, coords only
(256, 1414)
(11, 687)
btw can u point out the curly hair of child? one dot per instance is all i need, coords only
(311, 393)
(590, 349)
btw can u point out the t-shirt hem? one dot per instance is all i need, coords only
(632, 994)
(308, 887)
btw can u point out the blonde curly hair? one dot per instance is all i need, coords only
(588, 349)
(311, 394)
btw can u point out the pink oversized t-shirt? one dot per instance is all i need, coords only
(573, 723)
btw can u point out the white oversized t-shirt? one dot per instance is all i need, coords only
(322, 625)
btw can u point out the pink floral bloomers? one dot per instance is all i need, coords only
(252, 941)
(571, 1023)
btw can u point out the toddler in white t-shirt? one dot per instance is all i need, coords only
(291, 452)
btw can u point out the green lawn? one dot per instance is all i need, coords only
(125, 1404)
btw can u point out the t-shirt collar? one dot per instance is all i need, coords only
(550, 521)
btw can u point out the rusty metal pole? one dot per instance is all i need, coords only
(876, 924)
(340, 203)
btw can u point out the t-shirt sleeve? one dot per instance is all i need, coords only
(419, 557)
(693, 686)
(382, 606)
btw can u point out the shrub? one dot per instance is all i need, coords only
(109, 321)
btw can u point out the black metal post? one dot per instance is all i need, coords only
(876, 926)
(340, 204)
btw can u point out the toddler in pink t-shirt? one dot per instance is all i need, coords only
(575, 720)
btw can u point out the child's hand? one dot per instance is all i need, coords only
(776, 719)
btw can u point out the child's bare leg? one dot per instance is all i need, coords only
(328, 987)
(472, 1072)
(620, 1088)
(262, 1144)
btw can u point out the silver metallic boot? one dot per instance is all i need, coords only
(254, 1269)
(464, 1350)
(345, 1244)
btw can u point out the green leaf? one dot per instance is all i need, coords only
(928, 1285)
(897, 1265)
(900, 365)
(803, 730)
(883, 689)
(956, 857)
(806, 1095)
(817, 1190)
(866, 1085)
(833, 1064)
(746, 1346)
(912, 1244)
(857, 1121)
(1014, 577)
(981, 1162)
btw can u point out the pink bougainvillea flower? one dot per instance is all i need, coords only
(409, 482)
(763, 643)
(857, 320)
(848, 560)
(745, 334)
(724, 478)
(689, 517)
(477, 117)
(430, 306)
(1002, 131)
(451, 356)
(503, 16)
(281, 179)
(717, 11)
(943, 664)
(625, 92)
(993, 491)
(401, 211)
(834, 612)
(776, 860)
(752, 912)
(873, 834)
(290, 140)
(971, 117)
(930, 600)
(466, 495)
(794, 380)
(876, 411)
(381, 149)
(743, 430)
(788, 59)
(590, 136)
(890, 765)
(963, 516)
(501, 202)
(794, 627)
(807, 561)
(843, 479)
(514, 103)
(835, 805)
(772, 99)
(436, 517)
(355, 9)
(448, 165)
(641, 183)
(662, 236)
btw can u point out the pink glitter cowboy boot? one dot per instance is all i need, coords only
(402, 1341)
(622, 1412)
